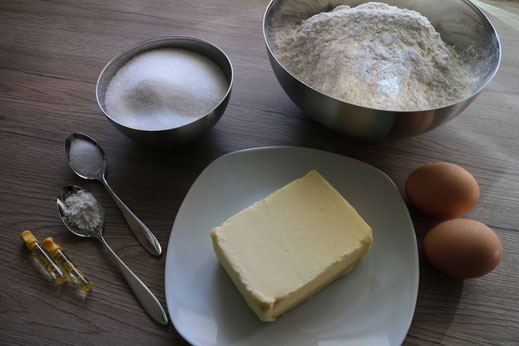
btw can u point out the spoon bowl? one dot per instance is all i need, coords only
(62, 196)
(90, 150)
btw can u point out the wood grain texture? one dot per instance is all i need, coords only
(51, 53)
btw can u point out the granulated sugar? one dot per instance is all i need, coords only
(85, 158)
(164, 88)
(374, 55)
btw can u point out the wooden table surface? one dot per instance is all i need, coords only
(51, 53)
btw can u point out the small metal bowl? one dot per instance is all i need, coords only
(177, 135)
(459, 22)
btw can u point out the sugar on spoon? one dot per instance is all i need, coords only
(88, 160)
(148, 301)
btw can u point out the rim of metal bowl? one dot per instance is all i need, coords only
(165, 39)
(489, 79)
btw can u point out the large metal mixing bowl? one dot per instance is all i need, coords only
(177, 135)
(459, 22)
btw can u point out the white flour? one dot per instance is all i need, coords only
(82, 210)
(374, 55)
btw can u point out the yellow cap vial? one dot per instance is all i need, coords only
(72, 270)
(45, 260)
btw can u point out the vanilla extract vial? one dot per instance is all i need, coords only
(66, 264)
(45, 260)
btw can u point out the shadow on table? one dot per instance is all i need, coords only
(306, 132)
(153, 181)
(438, 294)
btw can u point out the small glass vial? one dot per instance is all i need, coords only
(72, 270)
(45, 260)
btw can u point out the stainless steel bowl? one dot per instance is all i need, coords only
(177, 135)
(459, 22)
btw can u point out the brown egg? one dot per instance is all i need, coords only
(462, 248)
(442, 190)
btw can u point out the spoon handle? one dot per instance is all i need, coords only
(139, 229)
(148, 301)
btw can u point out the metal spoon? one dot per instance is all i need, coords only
(148, 301)
(95, 169)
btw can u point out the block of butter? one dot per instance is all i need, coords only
(283, 249)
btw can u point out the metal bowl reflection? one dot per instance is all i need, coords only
(170, 136)
(459, 22)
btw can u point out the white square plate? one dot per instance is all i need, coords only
(373, 305)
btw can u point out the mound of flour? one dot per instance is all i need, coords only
(374, 55)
